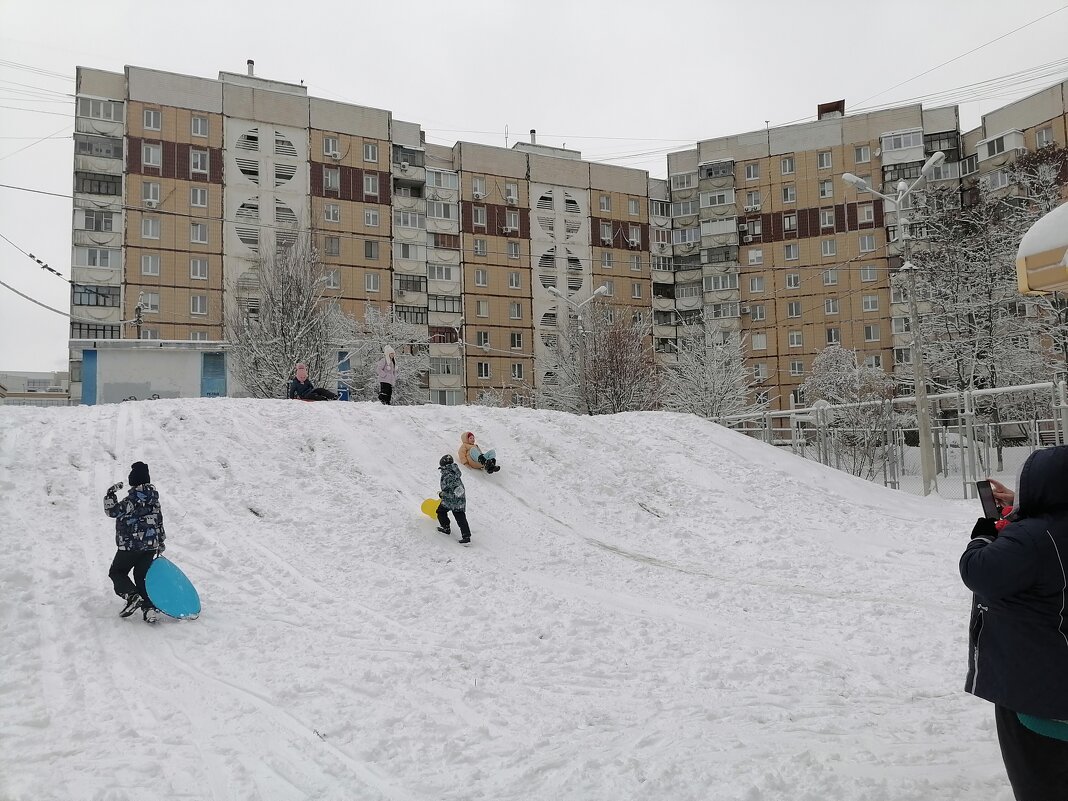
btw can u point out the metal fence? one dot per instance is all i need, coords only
(974, 434)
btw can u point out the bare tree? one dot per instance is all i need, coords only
(364, 342)
(281, 319)
(708, 379)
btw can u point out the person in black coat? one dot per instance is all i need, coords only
(300, 387)
(1018, 634)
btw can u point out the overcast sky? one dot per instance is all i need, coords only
(622, 81)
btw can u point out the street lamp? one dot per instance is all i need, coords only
(578, 307)
(919, 372)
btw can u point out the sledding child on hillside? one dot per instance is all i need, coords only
(301, 387)
(453, 498)
(472, 456)
(139, 537)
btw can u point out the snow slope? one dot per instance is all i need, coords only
(652, 608)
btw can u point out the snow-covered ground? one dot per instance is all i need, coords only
(652, 608)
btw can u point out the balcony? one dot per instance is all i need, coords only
(97, 164)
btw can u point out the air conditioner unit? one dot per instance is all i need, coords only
(478, 195)
(606, 240)
(511, 200)
(747, 239)
(634, 242)
(508, 230)
(404, 166)
(743, 310)
(661, 246)
(754, 207)
(334, 155)
(743, 228)
(151, 204)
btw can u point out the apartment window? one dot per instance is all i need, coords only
(515, 311)
(634, 207)
(752, 172)
(513, 250)
(480, 247)
(409, 219)
(150, 228)
(995, 146)
(867, 183)
(791, 251)
(789, 194)
(683, 181)
(634, 235)
(826, 218)
(759, 341)
(720, 197)
(871, 332)
(102, 146)
(482, 339)
(900, 325)
(756, 255)
(198, 197)
(332, 245)
(332, 212)
(331, 179)
(478, 186)
(198, 269)
(830, 277)
(636, 263)
(482, 308)
(481, 277)
(826, 189)
(198, 233)
(511, 193)
(151, 155)
(870, 303)
(712, 283)
(100, 109)
(869, 272)
(330, 147)
(516, 340)
(606, 203)
(610, 285)
(411, 314)
(98, 220)
(149, 333)
(797, 367)
(198, 126)
(760, 371)
(153, 119)
(606, 260)
(511, 219)
(150, 191)
(483, 370)
(829, 247)
(902, 355)
(861, 154)
(333, 278)
(517, 371)
(758, 313)
(198, 162)
(370, 250)
(786, 165)
(370, 218)
(793, 308)
(830, 306)
(865, 213)
(793, 280)
(445, 303)
(834, 336)
(1043, 137)
(370, 152)
(438, 272)
(998, 179)
(795, 339)
(867, 243)
(198, 304)
(752, 199)
(150, 264)
(659, 208)
(198, 336)
(514, 280)
(823, 160)
(789, 222)
(478, 216)
(636, 291)
(98, 257)
(756, 283)
(370, 184)
(903, 140)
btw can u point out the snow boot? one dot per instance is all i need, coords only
(151, 614)
(133, 603)
(466, 538)
(481, 459)
(445, 531)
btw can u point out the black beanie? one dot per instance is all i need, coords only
(139, 474)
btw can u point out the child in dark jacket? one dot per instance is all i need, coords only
(453, 498)
(139, 538)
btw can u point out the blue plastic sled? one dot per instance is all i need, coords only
(170, 591)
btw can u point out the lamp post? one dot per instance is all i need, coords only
(919, 371)
(578, 307)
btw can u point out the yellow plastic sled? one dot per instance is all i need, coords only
(430, 507)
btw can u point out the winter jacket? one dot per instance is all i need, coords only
(138, 519)
(300, 389)
(453, 495)
(386, 369)
(463, 456)
(1018, 635)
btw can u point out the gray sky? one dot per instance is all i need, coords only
(620, 80)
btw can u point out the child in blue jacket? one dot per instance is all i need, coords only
(453, 498)
(139, 538)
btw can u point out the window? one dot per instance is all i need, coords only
(370, 250)
(483, 370)
(826, 218)
(874, 361)
(752, 172)
(412, 283)
(786, 165)
(823, 160)
(867, 243)
(861, 154)
(511, 193)
(1043, 137)
(865, 213)
(834, 336)
(481, 277)
(440, 210)
(150, 264)
(752, 199)
(516, 340)
(100, 109)
(332, 212)
(634, 207)
(511, 219)
(198, 269)
(720, 197)
(826, 189)
(789, 222)
(482, 308)
(870, 303)
(370, 184)
(995, 146)
(198, 233)
(793, 280)
(869, 272)
(445, 303)
(331, 179)
(517, 371)
(902, 355)
(370, 218)
(198, 336)
(93, 331)
(478, 216)
(636, 291)
(712, 283)
(478, 186)
(514, 280)
(684, 181)
(97, 257)
(198, 162)
(149, 333)
(610, 285)
(830, 306)
(480, 247)
(513, 250)
(789, 194)
(758, 313)
(829, 247)
(330, 146)
(900, 325)
(198, 197)
(760, 371)
(756, 255)
(150, 228)
(756, 283)
(659, 208)
(98, 220)
(900, 141)
(153, 119)
(198, 304)
(636, 263)
(794, 339)
(720, 311)
(103, 146)
(372, 282)
(871, 332)
(606, 203)
(332, 245)
(411, 314)
(151, 155)
(634, 235)
(198, 126)
(830, 277)
(791, 251)
(150, 191)
(759, 341)
(370, 152)
(797, 367)
(606, 260)
(333, 278)
(998, 179)
(409, 219)
(793, 308)
(482, 339)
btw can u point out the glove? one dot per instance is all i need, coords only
(114, 488)
(985, 528)
(162, 547)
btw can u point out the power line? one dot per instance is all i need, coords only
(53, 135)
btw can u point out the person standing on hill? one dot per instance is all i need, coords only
(139, 537)
(386, 369)
(453, 499)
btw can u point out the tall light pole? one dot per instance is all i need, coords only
(578, 307)
(919, 371)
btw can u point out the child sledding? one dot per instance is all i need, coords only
(470, 455)
(453, 499)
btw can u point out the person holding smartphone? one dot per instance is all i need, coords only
(1018, 633)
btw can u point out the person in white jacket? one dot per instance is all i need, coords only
(386, 369)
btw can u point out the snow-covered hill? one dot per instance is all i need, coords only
(652, 608)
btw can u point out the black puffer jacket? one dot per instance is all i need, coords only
(1018, 637)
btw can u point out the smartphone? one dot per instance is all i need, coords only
(986, 496)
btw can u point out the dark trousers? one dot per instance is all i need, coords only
(124, 561)
(385, 393)
(1037, 765)
(461, 520)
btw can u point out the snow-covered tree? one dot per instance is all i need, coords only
(284, 319)
(709, 380)
(365, 341)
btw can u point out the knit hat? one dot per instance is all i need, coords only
(139, 474)
(388, 351)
